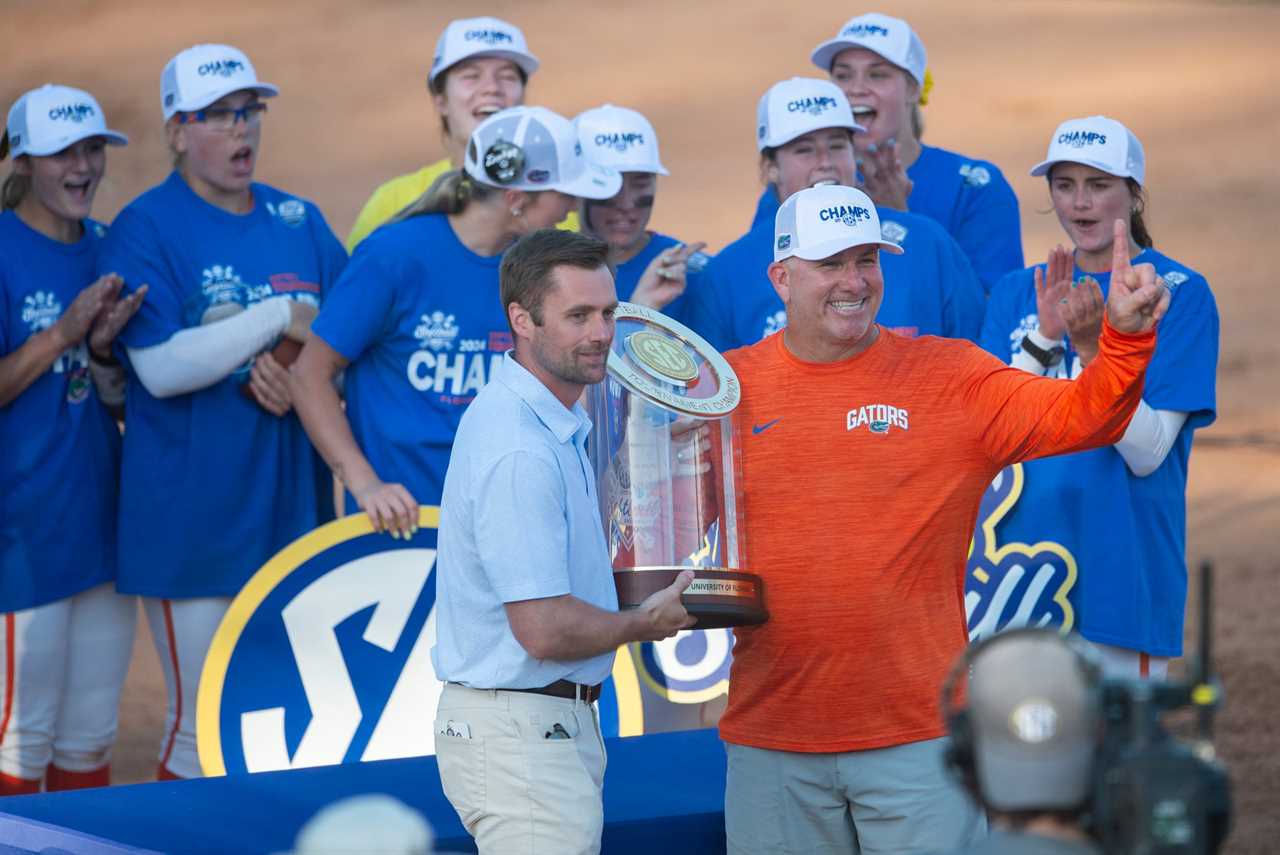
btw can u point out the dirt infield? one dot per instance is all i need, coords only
(1188, 78)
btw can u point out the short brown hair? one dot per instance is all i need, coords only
(525, 276)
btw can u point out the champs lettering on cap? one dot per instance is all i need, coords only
(1096, 141)
(850, 215)
(221, 68)
(77, 112)
(813, 105)
(795, 107)
(488, 37)
(820, 222)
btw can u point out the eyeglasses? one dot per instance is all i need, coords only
(225, 118)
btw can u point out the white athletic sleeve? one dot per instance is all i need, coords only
(197, 357)
(1150, 435)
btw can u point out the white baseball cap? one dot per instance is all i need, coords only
(1098, 142)
(532, 148)
(619, 138)
(468, 37)
(793, 108)
(46, 120)
(818, 222)
(890, 37)
(202, 74)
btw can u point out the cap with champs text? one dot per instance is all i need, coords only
(1099, 142)
(468, 37)
(44, 121)
(891, 38)
(531, 149)
(1034, 708)
(793, 108)
(819, 222)
(619, 138)
(202, 74)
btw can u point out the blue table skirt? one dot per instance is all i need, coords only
(663, 792)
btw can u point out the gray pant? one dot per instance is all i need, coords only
(884, 800)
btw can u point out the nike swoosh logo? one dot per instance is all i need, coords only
(764, 427)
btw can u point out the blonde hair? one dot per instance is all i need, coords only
(451, 193)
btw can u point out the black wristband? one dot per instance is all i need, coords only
(110, 361)
(1047, 358)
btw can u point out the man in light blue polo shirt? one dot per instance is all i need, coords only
(528, 615)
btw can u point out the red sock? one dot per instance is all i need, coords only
(11, 786)
(163, 774)
(64, 779)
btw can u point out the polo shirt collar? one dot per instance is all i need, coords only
(563, 423)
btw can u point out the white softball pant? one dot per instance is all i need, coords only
(182, 631)
(62, 666)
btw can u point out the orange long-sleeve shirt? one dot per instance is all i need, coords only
(862, 480)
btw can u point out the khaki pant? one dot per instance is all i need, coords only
(525, 772)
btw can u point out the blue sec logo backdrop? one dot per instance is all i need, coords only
(325, 657)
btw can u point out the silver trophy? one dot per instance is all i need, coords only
(667, 474)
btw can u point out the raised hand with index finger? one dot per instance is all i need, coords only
(1138, 297)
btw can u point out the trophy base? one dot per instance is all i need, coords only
(717, 598)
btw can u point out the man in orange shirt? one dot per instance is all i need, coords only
(864, 456)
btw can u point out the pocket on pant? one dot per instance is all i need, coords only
(462, 773)
(565, 796)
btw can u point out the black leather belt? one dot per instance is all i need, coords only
(565, 689)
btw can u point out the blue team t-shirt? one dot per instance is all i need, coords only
(970, 198)
(627, 275)
(212, 485)
(419, 316)
(928, 290)
(61, 449)
(1127, 534)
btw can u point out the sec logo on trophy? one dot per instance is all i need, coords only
(325, 657)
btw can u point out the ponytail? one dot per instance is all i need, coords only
(14, 191)
(448, 194)
(1137, 227)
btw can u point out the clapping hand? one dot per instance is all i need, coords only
(1053, 285)
(1082, 311)
(112, 317)
(666, 276)
(883, 176)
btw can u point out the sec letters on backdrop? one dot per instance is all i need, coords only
(324, 657)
